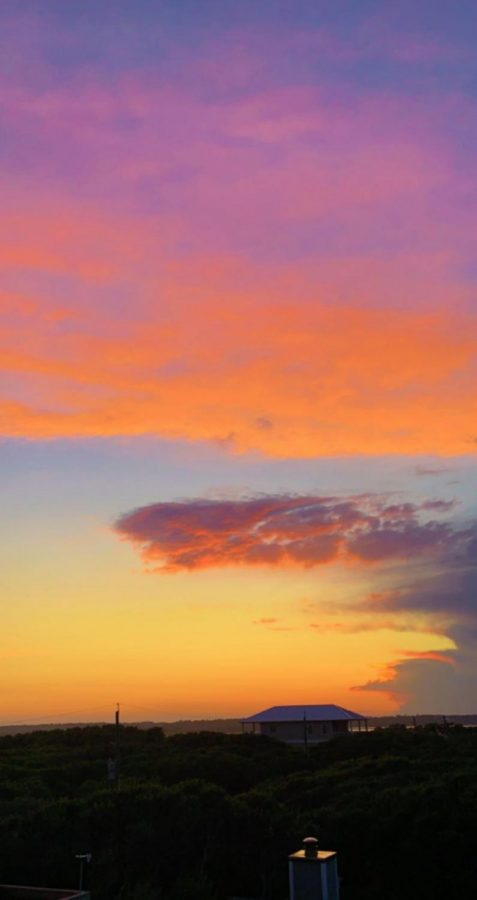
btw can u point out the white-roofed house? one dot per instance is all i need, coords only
(304, 725)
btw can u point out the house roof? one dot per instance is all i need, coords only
(322, 713)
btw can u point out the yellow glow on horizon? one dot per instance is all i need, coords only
(182, 646)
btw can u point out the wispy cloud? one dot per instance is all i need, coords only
(429, 471)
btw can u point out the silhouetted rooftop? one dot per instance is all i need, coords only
(321, 713)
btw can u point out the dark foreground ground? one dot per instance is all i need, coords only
(205, 816)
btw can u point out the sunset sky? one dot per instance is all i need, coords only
(238, 336)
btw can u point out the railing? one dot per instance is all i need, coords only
(34, 893)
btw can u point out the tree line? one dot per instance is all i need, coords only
(208, 816)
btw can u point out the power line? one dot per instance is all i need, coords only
(155, 712)
(46, 717)
(49, 718)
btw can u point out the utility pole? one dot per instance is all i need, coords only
(118, 839)
(83, 858)
(305, 734)
(118, 732)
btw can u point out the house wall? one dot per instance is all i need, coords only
(294, 732)
(340, 727)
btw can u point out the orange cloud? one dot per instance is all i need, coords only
(437, 655)
(324, 380)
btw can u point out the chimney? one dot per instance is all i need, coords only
(313, 873)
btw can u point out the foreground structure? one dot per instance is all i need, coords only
(313, 873)
(305, 725)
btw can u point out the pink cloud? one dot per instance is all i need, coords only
(279, 530)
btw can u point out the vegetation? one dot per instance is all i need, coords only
(210, 815)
